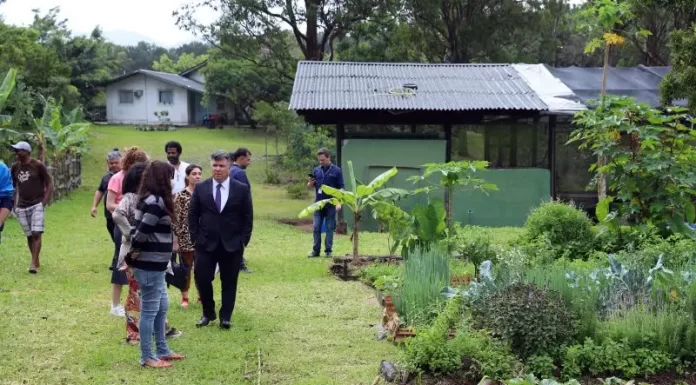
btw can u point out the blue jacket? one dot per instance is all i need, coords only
(6, 187)
(331, 176)
(239, 175)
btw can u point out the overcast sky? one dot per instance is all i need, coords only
(123, 21)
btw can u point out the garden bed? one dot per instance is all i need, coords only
(345, 269)
(307, 225)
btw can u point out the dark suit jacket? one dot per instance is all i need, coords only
(232, 226)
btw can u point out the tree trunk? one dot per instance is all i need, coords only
(356, 222)
(601, 161)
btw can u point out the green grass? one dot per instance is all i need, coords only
(309, 327)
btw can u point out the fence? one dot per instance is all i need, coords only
(66, 174)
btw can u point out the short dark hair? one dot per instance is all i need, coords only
(174, 144)
(220, 155)
(324, 151)
(241, 151)
(132, 179)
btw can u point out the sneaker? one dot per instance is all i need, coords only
(118, 311)
(328, 254)
(245, 269)
(173, 333)
(312, 255)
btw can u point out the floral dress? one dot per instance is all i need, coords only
(124, 216)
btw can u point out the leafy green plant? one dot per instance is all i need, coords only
(272, 177)
(454, 176)
(612, 358)
(650, 159)
(5, 90)
(424, 227)
(358, 199)
(426, 273)
(529, 319)
(473, 243)
(567, 229)
(541, 365)
(297, 190)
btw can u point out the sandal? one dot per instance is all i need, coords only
(172, 357)
(157, 364)
(185, 303)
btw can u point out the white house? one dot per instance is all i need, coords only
(134, 98)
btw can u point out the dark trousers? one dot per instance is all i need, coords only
(204, 274)
(110, 226)
(328, 214)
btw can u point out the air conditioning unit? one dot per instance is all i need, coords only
(138, 93)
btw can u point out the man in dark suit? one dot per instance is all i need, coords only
(240, 161)
(220, 222)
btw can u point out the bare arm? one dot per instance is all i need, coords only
(121, 218)
(48, 186)
(194, 214)
(97, 198)
(111, 201)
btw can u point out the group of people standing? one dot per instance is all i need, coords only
(155, 209)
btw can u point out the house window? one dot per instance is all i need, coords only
(125, 96)
(166, 97)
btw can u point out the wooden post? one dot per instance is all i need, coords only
(552, 154)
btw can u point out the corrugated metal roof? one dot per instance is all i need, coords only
(174, 79)
(641, 83)
(441, 87)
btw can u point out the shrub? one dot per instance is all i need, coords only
(474, 244)
(272, 177)
(431, 351)
(297, 190)
(528, 318)
(568, 229)
(541, 366)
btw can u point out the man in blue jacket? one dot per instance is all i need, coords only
(240, 161)
(6, 194)
(326, 174)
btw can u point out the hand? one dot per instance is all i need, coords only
(338, 207)
(94, 212)
(176, 246)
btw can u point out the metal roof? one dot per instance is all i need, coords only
(194, 68)
(641, 83)
(173, 79)
(440, 87)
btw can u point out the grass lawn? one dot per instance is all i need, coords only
(309, 327)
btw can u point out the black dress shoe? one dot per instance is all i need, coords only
(225, 325)
(204, 321)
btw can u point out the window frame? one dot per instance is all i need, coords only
(121, 93)
(171, 92)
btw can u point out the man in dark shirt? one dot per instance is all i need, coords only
(326, 174)
(240, 161)
(33, 190)
(113, 162)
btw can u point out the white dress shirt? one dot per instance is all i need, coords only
(179, 180)
(224, 192)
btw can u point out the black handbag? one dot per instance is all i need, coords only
(180, 270)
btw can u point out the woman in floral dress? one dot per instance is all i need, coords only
(124, 218)
(182, 238)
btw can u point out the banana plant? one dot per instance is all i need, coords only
(65, 133)
(6, 88)
(358, 199)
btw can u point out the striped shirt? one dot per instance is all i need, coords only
(152, 235)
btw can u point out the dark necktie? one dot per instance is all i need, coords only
(218, 198)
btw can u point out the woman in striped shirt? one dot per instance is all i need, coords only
(151, 251)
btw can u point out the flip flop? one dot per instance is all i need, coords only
(157, 365)
(33, 271)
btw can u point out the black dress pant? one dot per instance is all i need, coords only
(204, 273)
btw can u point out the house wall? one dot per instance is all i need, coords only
(142, 110)
(197, 75)
(520, 189)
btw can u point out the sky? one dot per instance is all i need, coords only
(123, 21)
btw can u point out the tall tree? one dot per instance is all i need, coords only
(314, 24)
(185, 61)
